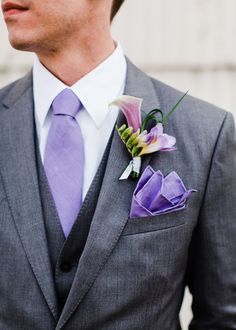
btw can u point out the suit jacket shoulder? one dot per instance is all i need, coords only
(191, 111)
(195, 121)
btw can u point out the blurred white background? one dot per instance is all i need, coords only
(189, 44)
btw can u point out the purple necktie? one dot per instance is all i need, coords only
(64, 158)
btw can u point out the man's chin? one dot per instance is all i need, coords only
(20, 44)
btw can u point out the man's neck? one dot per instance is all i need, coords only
(70, 64)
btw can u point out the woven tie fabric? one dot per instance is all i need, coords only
(64, 158)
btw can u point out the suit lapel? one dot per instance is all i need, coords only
(19, 173)
(114, 202)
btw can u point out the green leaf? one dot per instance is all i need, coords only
(152, 116)
(167, 117)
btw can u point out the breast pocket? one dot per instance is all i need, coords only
(154, 223)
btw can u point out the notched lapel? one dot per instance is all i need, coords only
(114, 201)
(19, 173)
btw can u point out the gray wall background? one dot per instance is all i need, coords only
(189, 44)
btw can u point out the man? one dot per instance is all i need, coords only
(71, 258)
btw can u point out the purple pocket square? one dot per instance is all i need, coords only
(156, 194)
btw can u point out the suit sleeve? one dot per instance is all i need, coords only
(211, 272)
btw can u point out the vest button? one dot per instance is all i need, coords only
(65, 267)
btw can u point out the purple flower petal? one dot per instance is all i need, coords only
(155, 141)
(131, 107)
(148, 138)
(157, 130)
(164, 142)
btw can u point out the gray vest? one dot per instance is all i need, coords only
(65, 253)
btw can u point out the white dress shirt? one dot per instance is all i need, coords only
(95, 91)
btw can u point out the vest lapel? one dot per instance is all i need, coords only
(19, 173)
(114, 202)
(54, 232)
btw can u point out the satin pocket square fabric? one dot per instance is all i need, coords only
(156, 194)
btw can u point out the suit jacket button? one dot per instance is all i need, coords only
(65, 267)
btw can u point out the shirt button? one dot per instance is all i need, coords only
(65, 267)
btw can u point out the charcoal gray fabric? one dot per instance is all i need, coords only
(54, 232)
(132, 272)
(65, 253)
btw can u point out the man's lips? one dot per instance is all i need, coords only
(11, 8)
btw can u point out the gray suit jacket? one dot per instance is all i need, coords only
(132, 273)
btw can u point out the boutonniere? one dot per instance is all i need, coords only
(138, 139)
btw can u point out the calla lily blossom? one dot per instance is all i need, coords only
(155, 140)
(131, 108)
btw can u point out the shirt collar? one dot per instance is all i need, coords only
(95, 90)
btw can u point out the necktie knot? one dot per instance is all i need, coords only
(66, 103)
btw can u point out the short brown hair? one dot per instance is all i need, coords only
(115, 7)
